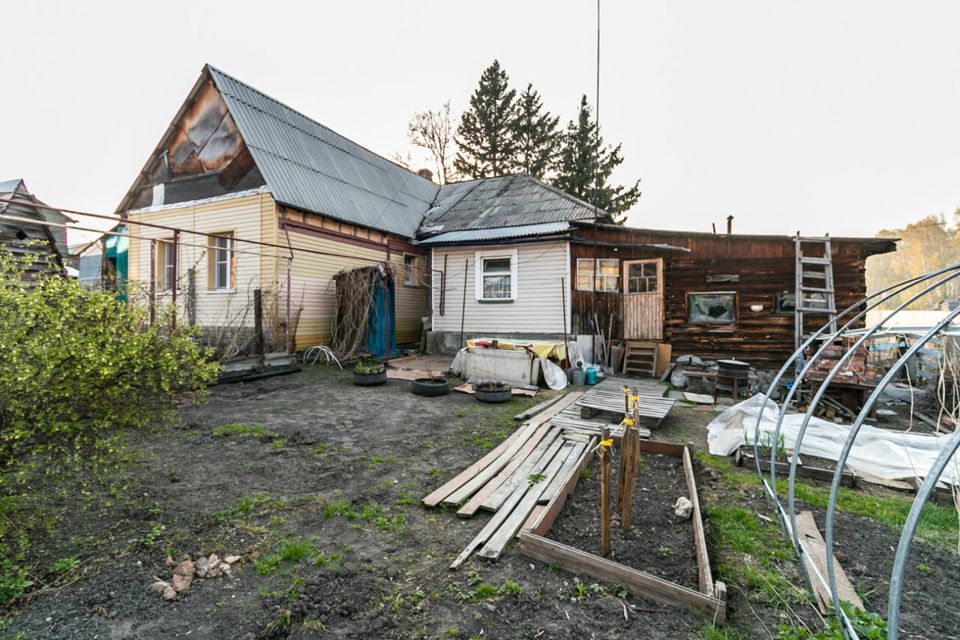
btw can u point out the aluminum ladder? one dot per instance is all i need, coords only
(814, 286)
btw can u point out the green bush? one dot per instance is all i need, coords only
(78, 369)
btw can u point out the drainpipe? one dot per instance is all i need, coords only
(729, 225)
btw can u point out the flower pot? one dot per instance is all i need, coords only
(493, 392)
(370, 379)
(430, 387)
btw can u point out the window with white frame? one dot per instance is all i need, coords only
(496, 279)
(166, 261)
(606, 276)
(221, 262)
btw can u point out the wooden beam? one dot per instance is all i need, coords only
(494, 547)
(534, 410)
(638, 582)
(457, 481)
(525, 451)
(815, 552)
(477, 467)
(699, 539)
(604, 494)
(543, 524)
(550, 445)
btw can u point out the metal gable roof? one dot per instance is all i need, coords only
(308, 166)
(504, 201)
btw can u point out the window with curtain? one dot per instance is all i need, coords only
(606, 276)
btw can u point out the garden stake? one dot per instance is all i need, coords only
(631, 450)
(604, 492)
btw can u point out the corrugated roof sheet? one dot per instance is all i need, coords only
(505, 201)
(498, 233)
(24, 208)
(308, 166)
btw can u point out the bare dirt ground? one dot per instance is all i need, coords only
(317, 483)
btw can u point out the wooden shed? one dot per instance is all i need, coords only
(710, 295)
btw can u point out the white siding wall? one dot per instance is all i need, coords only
(538, 307)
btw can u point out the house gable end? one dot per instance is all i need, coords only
(201, 155)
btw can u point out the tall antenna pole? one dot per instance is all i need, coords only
(596, 194)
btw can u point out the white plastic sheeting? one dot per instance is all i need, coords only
(881, 453)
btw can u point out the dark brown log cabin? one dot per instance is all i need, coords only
(756, 273)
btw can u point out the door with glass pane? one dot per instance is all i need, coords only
(643, 299)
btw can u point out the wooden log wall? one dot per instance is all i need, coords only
(763, 266)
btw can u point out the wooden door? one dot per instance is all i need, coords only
(643, 299)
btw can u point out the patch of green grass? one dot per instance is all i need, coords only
(244, 506)
(480, 593)
(322, 448)
(510, 588)
(292, 552)
(336, 508)
(711, 632)
(451, 632)
(434, 472)
(937, 526)
(752, 553)
(151, 537)
(65, 565)
(371, 512)
(241, 429)
(13, 581)
(585, 473)
(278, 443)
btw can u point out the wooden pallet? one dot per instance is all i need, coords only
(640, 358)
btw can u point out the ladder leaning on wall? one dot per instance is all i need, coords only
(815, 294)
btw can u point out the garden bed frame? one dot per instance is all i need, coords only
(710, 600)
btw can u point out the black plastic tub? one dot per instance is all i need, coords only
(370, 379)
(430, 387)
(494, 392)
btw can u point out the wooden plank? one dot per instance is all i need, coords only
(575, 436)
(569, 484)
(557, 483)
(521, 473)
(604, 454)
(704, 573)
(496, 463)
(457, 481)
(535, 516)
(532, 411)
(632, 455)
(490, 528)
(639, 582)
(471, 506)
(491, 469)
(470, 389)
(494, 547)
(815, 551)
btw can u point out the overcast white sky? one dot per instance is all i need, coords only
(837, 117)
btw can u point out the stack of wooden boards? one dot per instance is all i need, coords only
(525, 477)
(591, 411)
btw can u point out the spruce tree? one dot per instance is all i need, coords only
(535, 135)
(585, 166)
(485, 135)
